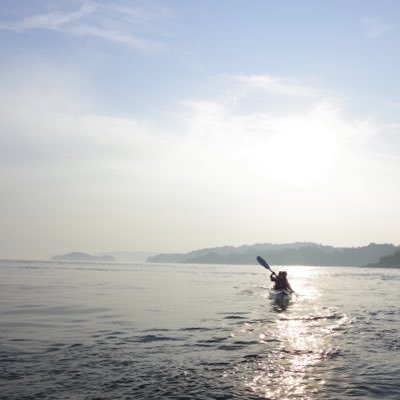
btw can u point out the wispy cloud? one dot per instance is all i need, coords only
(111, 22)
(150, 13)
(116, 36)
(275, 85)
(375, 27)
(51, 21)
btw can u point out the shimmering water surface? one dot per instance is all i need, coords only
(95, 331)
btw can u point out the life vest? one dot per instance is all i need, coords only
(280, 283)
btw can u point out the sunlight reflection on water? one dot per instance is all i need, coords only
(286, 372)
(296, 342)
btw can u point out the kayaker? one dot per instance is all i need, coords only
(281, 282)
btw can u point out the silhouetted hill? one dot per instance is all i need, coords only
(78, 256)
(392, 261)
(301, 253)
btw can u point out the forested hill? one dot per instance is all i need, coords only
(391, 261)
(300, 253)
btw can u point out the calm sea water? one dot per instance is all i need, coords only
(94, 331)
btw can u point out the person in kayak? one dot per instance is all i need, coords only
(281, 281)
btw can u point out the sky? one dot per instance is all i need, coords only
(174, 125)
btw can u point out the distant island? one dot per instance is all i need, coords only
(299, 253)
(78, 256)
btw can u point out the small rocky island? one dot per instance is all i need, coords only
(78, 256)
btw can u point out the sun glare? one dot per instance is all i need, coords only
(301, 158)
(300, 151)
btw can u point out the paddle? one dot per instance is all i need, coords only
(264, 264)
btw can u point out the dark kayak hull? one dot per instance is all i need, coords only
(281, 297)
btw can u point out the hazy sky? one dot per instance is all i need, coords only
(181, 124)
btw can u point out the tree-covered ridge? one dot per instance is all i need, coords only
(388, 261)
(300, 253)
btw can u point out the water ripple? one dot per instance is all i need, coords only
(204, 340)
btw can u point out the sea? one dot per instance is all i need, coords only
(181, 331)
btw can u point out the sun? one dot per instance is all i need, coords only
(301, 158)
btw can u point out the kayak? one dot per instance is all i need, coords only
(281, 297)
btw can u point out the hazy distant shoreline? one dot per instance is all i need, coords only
(298, 253)
(291, 254)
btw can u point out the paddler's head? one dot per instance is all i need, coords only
(282, 274)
